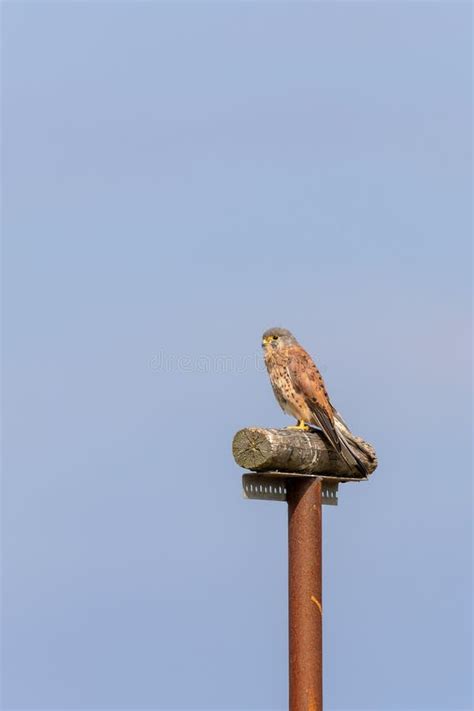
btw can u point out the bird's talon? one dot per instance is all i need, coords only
(300, 426)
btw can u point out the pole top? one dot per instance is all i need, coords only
(275, 457)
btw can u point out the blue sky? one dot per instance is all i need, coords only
(176, 179)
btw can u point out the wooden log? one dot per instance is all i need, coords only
(287, 450)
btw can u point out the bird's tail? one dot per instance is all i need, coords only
(351, 448)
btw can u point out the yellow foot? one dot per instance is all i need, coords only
(300, 426)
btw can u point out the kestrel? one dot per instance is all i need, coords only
(300, 391)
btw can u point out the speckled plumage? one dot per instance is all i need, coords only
(300, 390)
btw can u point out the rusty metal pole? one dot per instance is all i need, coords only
(304, 588)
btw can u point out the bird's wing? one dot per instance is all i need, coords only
(307, 381)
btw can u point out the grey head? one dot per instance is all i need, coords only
(278, 337)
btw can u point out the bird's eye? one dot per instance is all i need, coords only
(275, 338)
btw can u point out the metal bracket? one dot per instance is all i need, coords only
(271, 486)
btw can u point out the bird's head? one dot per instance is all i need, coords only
(278, 338)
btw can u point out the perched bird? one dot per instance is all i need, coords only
(300, 391)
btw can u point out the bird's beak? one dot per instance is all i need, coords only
(265, 341)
